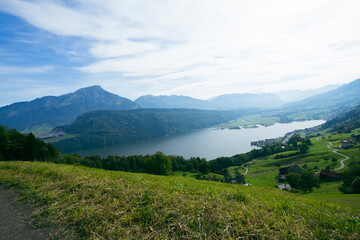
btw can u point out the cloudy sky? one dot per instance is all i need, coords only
(199, 48)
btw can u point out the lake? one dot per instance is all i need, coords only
(207, 143)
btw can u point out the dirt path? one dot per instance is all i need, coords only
(336, 152)
(246, 171)
(14, 220)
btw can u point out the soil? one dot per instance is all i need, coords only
(15, 221)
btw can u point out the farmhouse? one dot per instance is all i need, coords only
(286, 170)
(284, 187)
(237, 180)
(330, 175)
(290, 169)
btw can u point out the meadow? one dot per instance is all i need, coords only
(99, 204)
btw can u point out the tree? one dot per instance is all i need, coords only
(333, 160)
(293, 179)
(31, 147)
(158, 164)
(303, 148)
(227, 173)
(308, 181)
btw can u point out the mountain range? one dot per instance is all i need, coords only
(232, 101)
(43, 114)
(51, 111)
(347, 95)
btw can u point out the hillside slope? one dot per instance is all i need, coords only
(103, 128)
(54, 111)
(349, 119)
(99, 204)
(173, 101)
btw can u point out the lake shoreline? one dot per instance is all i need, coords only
(205, 143)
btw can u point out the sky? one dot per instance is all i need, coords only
(200, 48)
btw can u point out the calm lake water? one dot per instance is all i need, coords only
(206, 143)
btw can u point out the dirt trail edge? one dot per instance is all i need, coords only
(15, 223)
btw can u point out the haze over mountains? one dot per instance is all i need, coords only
(231, 101)
(298, 95)
(347, 95)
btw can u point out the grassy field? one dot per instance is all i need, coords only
(59, 138)
(99, 204)
(251, 121)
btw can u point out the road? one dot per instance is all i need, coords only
(246, 171)
(15, 221)
(336, 152)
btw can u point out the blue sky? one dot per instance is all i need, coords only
(195, 48)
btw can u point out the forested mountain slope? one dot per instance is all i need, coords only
(102, 128)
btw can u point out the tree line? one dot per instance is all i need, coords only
(26, 147)
(17, 146)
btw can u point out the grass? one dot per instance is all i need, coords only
(39, 129)
(251, 121)
(59, 138)
(99, 204)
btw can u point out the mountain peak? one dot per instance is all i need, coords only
(91, 88)
(63, 109)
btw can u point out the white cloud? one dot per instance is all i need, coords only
(5, 70)
(179, 47)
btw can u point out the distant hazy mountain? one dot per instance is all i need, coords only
(222, 102)
(347, 96)
(173, 101)
(246, 100)
(103, 128)
(297, 95)
(53, 111)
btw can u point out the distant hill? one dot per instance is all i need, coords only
(347, 95)
(223, 102)
(173, 101)
(103, 128)
(246, 100)
(54, 111)
(298, 95)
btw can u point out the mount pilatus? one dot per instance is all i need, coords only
(53, 111)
